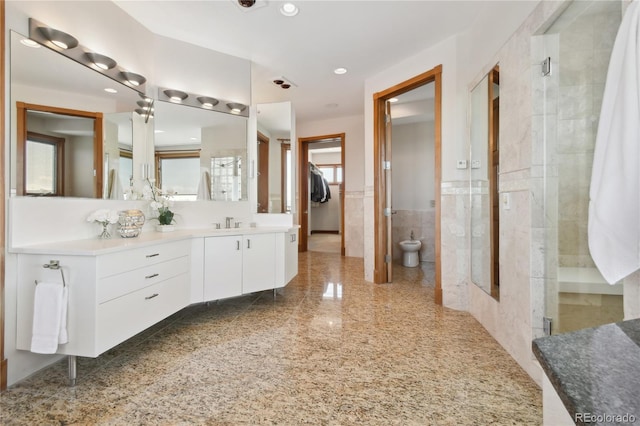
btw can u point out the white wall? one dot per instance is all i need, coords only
(413, 166)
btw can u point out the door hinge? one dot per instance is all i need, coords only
(387, 118)
(546, 326)
(386, 165)
(387, 258)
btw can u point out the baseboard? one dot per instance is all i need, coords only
(325, 232)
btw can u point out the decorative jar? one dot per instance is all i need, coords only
(130, 223)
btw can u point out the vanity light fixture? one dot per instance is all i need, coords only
(340, 71)
(176, 96)
(58, 38)
(133, 78)
(101, 61)
(207, 102)
(236, 108)
(199, 101)
(68, 46)
(289, 9)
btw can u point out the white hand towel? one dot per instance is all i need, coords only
(63, 337)
(204, 187)
(47, 317)
(614, 207)
(115, 187)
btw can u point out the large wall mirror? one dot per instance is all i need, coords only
(485, 207)
(200, 154)
(275, 170)
(69, 136)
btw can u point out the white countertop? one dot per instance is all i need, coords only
(94, 247)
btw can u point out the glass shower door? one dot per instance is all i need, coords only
(579, 45)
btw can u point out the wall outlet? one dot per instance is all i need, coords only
(462, 164)
(475, 164)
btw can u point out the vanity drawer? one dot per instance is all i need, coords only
(124, 317)
(118, 285)
(127, 260)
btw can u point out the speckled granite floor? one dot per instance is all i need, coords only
(331, 349)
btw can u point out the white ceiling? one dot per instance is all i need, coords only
(364, 36)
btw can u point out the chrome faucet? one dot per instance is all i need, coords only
(228, 222)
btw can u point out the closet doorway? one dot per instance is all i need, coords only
(307, 207)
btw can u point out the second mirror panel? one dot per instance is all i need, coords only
(274, 165)
(485, 206)
(200, 154)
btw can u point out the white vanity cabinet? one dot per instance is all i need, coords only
(222, 267)
(239, 264)
(112, 296)
(258, 263)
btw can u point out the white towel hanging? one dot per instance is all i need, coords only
(49, 317)
(614, 207)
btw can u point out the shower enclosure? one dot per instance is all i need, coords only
(575, 56)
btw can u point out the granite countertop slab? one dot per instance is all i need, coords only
(596, 372)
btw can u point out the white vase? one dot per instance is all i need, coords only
(165, 228)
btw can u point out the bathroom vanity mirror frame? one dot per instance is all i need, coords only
(39, 77)
(484, 183)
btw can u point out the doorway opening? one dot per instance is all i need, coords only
(383, 209)
(321, 165)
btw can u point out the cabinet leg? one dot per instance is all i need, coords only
(72, 370)
(274, 294)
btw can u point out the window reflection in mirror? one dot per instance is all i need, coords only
(192, 144)
(484, 175)
(40, 76)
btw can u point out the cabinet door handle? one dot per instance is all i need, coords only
(237, 244)
(151, 297)
(248, 243)
(151, 276)
(153, 255)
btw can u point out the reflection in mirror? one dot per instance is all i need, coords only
(275, 174)
(40, 76)
(485, 206)
(54, 145)
(200, 154)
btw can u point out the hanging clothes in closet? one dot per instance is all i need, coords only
(319, 186)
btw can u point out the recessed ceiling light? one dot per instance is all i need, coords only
(289, 9)
(392, 100)
(110, 90)
(30, 43)
(340, 71)
(158, 131)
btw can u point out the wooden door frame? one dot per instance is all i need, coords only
(303, 160)
(263, 168)
(3, 359)
(380, 239)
